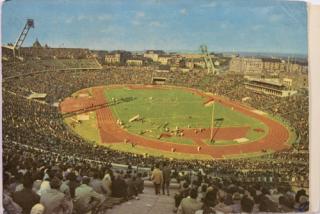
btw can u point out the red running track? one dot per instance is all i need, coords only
(111, 132)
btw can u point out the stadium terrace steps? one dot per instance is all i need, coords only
(35, 66)
(148, 203)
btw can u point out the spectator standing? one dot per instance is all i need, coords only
(139, 183)
(132, 187)
(72, 183)
(157, 179)
(166, 178)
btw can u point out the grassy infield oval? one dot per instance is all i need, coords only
(169, 108)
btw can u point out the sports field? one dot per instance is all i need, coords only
(172, 121)
(162, 111)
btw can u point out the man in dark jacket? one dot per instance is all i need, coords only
(119, 187)
(26, 197)
(139, 183)
(166, 178)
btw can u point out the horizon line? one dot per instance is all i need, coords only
(194, 51)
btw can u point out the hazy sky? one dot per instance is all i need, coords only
(224, 25)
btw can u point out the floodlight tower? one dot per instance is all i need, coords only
(29, 24)
(207, 59)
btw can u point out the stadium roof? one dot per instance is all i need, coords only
(275, 82)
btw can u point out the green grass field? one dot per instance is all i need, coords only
(171, 108)
(87, 129)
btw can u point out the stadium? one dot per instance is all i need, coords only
(226, 131)
(54, 128)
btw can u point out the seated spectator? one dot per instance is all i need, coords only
(45, 185)
(64, 187)
(246, 205)
(132, 188)
(267, 205)
(228, 199)
(37, 209)
(37, 182)
(86, 199)
(236, 206)
(119, 187)
(97, 185)
(209, 202)
(221, 201)
(19, 182)
(53, 200)
(202, 192)
(303, 204)
(190, 205)
(9, 206)
(107, 181)
(276, 193)
(26, 197)
(298, 199)
(183, 193)
(285, 205)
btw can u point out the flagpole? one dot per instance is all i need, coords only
(212, 122)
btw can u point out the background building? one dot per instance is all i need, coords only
(273, 65)
(117, 57)
(153, 54)
(113, 58)
(274, 87)
(137, 61)
(164, 59)
(246, 65)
